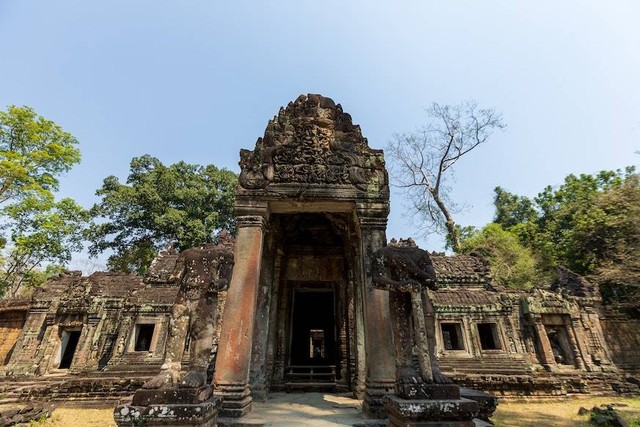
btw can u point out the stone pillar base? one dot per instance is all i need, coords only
(423, 413)
(372, 404)
(237, 400)
(171, 407)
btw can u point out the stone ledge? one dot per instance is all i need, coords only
(203, 414)
(188, 396)
(431, 410)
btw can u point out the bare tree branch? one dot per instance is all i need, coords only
(421, 161)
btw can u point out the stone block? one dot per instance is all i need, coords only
(428, 391)
(442, 412)
(204, 414)
(487, 403)
(144, 397)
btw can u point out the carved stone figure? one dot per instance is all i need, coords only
(202, 272)
(406, 271)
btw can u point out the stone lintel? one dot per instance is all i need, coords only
(311, 192)
(292, 206)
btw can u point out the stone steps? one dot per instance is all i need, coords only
(71, 387)
(503, 366)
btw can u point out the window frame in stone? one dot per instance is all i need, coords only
(495, 336)
(459, 331)
(64, 344)
(133, 342)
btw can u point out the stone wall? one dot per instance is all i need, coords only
(12, 318)
(623, 339)
(84, 324)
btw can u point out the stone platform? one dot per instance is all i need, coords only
(424, 405)
(172, 407)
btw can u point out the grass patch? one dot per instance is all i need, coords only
(560, 413)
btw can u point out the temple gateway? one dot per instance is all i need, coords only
(292, 305)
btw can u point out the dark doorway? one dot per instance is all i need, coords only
(312, 329)
(560, 347)
(69, 342)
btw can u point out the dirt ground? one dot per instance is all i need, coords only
(557, 413)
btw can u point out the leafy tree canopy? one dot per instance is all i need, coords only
(583, 224)
(38, 232)
(34, 151)
(513, 265)
(43, 235)
(182, 204)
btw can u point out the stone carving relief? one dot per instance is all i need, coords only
(406, 271)
(312, 141)
(202, 272)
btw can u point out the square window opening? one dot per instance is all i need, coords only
(489, 339)
(452, 336)
(143, 337)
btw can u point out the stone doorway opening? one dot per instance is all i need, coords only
(68, 343)
(312, 348)
(312, 345)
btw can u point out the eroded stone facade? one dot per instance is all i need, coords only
(301, 311)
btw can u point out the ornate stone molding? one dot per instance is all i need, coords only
(251, 221)
(373, 223)
(313, 142)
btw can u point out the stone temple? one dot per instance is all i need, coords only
(297, 308)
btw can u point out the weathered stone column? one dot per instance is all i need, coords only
(546, 354)
(231, 377)
(578, 356)
(380, 360)
(259, 378)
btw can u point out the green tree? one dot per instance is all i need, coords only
(511, 209)
(590, 223)
(423, 161)
(43, 235)
(182, 204)
(512, 264)
(574, 229)
(39, 233)
(34, 152)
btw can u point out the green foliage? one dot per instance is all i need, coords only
(182, 204)
(511, 209)
(512, 264)
(39, 233)
(584, 224)
(34, 151)
(590, 224)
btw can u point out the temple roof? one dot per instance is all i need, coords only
(465, 297)
(460, 270)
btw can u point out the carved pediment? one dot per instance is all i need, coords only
(312, 142)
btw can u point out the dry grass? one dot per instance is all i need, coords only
(76, 417)
(557, 413)
(560, 413)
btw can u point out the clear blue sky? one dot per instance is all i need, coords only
(198, 80)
